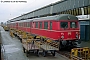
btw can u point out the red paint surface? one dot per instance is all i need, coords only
(55, 33)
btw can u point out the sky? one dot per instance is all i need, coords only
(9, 10)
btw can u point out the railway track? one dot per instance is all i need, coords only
(65, 52)
(76, 54)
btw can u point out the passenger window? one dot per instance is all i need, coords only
(40, 24)
(73, 25)
(45, 25)
(64, 24)
(50, 25)
(25, 24)
(22, 24)
(19, 24)
(28, 24)
(36, 24)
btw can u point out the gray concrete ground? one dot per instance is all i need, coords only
(85, 44)
(12, 48)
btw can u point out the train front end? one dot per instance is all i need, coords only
(69, 32)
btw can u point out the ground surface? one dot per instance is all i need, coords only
(85, 44)
(13, 50)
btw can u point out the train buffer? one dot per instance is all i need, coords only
(80, 53)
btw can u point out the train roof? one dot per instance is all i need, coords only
(55, 17)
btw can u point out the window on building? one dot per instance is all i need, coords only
(88, 9)
(79, 11)
(36, 24)
(74, 12)
(50, 25)
(85, 10)
(70, 12)
(40, 24)
(45, 25)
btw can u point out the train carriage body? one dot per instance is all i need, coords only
(57, 27)
(63, 28)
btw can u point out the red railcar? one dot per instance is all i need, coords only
(63, 28)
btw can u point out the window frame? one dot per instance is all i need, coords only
(50, 25)
(36, 24)
(64, 22)
(40, 25)
(45, 24)
(75, 24)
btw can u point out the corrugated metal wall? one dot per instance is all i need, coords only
(42, 11)
(85, 30)
(59, 7)
(82, 32)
